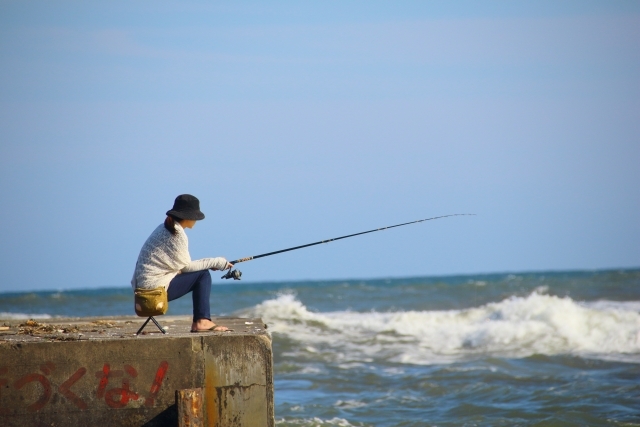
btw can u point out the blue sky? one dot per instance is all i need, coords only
(300, 121)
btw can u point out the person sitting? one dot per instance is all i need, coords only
(164, 260)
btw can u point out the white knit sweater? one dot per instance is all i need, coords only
(165, 255)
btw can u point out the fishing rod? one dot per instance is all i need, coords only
(236, 274)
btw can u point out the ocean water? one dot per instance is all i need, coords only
(530, 349)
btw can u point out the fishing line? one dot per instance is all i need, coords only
(236, 274)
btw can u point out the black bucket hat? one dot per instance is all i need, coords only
(186, 206)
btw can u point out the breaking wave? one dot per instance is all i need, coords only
(515, 327)
(315, 422)
(23, 316)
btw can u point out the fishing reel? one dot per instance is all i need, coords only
(232, 274)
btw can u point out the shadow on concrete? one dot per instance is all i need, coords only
(168, 417)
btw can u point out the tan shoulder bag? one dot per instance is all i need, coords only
(151, 302)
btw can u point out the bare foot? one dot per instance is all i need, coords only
(206, 325)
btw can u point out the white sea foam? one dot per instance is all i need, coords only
(23, 316)
(514, 327)
(316, 422)
(606, 304)
(349, 404)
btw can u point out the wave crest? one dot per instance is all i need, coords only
(23, 316)
(514, 327)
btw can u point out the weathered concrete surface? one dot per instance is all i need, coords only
(97, 372)
(238, 390)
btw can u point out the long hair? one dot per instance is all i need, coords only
(170, 224)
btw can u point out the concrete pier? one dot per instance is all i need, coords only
(96, 371)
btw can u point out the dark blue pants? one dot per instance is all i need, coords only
(199, 284)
